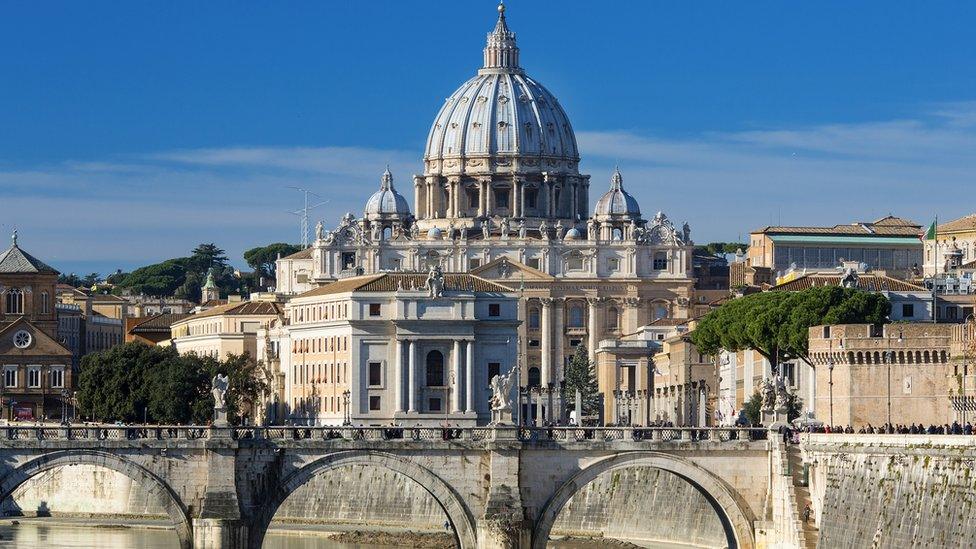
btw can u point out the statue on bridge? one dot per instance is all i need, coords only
(768, 395)
(219, 385)
(501, 389)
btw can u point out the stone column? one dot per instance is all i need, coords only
(456, 387)
(412, 377)
(418, 196)
(559, 325)
(546, 326)
(469, 377)
(219, 524)
(398, 375)
(489, 198)
(593, 326)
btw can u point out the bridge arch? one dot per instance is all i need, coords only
(449, 500)
(723, 499)
(155, 486)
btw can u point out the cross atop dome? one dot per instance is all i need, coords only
(501, 51)
(616, 180)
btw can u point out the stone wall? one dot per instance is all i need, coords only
(642, 503)
(360, 495)
(893, 490)
(82, 490)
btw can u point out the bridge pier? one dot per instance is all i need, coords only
(504, 525)
(211, 533)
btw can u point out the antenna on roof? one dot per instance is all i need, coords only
(302, 213)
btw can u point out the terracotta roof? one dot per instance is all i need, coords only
(214, 303)
(966, 223)
(108, 297)
(243, 308)
(869, 282)
(303, 254)
(886, 226)
(670, 321)
(391, 282)
(158, 323)
(15, 260)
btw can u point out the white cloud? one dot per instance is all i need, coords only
(138, 208)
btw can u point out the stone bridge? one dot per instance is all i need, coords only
(499, 487)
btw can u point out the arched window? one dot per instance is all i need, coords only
(576, 316)
(15, 301)
(660, 261)
(659, 311)
(387, 233)
(45, 303)
(613, 319)
(618, 233)
(535, 377)
(534, 319)
(435, 369)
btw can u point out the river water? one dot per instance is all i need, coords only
(35, 534)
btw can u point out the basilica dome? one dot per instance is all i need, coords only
(617, 202)
(387, 202)
(501, 120)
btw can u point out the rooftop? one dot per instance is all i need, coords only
(886, 226)
(866, 281)
(963, 224)
(391, 282)
(15, 261)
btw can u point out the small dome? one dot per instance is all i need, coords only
(617, 201)
(573, 234)
(387, 202)
(434, 234)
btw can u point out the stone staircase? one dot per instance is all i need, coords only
(811, 533)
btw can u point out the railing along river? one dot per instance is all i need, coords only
(383, 434)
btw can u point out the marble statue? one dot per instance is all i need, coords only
(486, 229)
(521, 229)
(768, 395)
(319, 230)
(504, 226)
(501, 388)
(219, 386)
(560, 230)
(435, 282)
(544, 230)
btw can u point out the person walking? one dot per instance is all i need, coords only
(806, 513)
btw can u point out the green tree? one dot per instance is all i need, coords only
(262, 259)
(722, 247)
(69, 279)
(90, 280)
(580, 374)
(159, 279)
(207, 256)
(133, 380)
(776, 324)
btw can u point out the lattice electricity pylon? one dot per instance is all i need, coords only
(302, 213)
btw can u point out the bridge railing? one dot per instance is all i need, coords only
(383, 434)
(103, 432)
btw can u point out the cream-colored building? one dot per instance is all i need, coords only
(501, 197)
(954, 241)
(379, 349)
(226, 329)
(900, 373)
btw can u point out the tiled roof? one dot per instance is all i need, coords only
(244, 308)
(158, 323)
(967, 223)
(15, 260)
(391, 282)
(214, 303)
(303, 254)
(670, 321)
(886, 226)
(869, 282)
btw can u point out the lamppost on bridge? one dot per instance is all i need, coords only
(889, 356)
(346, 418)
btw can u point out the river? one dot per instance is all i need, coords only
(78, 534)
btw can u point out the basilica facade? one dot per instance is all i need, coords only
(502, 198)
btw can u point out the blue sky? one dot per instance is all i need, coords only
(131, 131)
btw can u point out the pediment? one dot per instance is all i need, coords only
(505, 268)
(41, 344)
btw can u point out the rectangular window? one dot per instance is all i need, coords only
(826, 332)
(374, 403)
(57, 378)
(475, 262)
(613, 264)
(374, 309)
(348, 260)
(375, 374)
(534, 343)
(501, 198)
(34, 377)
(473, 198)
(534, 262)
(434, 404)
(494, 309)
(574, 342)
(494, 368)
(10, 377)
(907, 310)
(531, 198)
